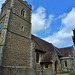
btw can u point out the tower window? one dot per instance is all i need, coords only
(22, 28)
(23, 12)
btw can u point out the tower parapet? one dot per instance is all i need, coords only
(5, 3)
(26, 3)
(23, 2)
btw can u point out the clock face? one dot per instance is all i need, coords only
(1, 25)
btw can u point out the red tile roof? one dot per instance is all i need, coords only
(49, 48)
(66, 51)
(47, 57)
(44, 46)
(41, 44)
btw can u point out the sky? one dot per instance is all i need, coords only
(53, 20)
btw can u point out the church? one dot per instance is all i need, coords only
(22, 53)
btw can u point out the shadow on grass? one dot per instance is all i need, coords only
(72, 73)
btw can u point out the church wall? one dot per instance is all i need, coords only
(51, 67)
(5, 7)
(74, 60)
(17, 44)
(56, 59)
(37, 64)
(2, 19)
(16, 51)
(16, 23)
(16, 71)
(69, 64)
(20, 5)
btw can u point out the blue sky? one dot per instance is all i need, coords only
(53, 20)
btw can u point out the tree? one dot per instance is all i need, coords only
(73, 37)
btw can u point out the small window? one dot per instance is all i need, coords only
(65, 63)
(22, 28)
(23, 12)
(37, 57)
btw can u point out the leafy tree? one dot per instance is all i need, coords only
(73, 37)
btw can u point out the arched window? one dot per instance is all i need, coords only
(23, 12)
(22, 28)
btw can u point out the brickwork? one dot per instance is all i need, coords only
(16, 34)
(16, 52)
(51, 67)
(5, 6)
(20, 5)
(69, 61)
(16, 71)
(32, 55)
(16, 23)
(56, 59)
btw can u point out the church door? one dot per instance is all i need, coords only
(56, 67)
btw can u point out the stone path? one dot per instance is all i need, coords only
(62, 74)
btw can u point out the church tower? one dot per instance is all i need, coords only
(15, 34)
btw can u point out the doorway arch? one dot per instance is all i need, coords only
(56, 67)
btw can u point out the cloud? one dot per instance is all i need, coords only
(39, 20)
(64, 36)
(61, 16)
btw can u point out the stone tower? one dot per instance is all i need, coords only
(15, 35)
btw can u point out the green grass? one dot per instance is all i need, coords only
(43, 74)
(68, 72)
(72, 74)
(65, 72)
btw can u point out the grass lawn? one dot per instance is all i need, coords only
(68, 72)
(72, 73)
(65, 72)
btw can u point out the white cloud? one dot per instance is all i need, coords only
(61, 16)
(64, 36)
(39, 21)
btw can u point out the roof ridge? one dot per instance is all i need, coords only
(66, 47)
(41, 39)
(57, 50)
